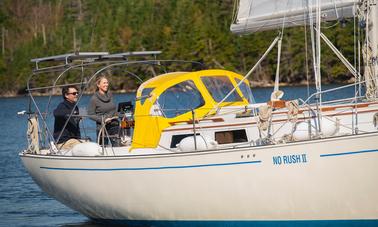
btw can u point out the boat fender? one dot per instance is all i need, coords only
(301, 131)
(203, 143)
(330, 126)
(375, 120)
(86, 149)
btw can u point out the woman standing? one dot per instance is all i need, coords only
(103, 110)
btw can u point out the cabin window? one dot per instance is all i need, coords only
(179, 99)
(219, 87)
(145, 94)
(246, 90)
(176, 139)
(235, 136)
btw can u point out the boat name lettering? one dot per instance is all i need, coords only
(289, 159)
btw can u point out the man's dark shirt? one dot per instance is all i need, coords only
(61, 114)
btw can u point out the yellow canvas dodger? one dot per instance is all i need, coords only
(172, 90)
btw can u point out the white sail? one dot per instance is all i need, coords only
(258, 15)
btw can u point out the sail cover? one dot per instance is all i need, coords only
(258, 15)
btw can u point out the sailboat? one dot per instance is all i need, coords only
(203, 152)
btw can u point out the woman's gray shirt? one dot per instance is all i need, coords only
(101, 107)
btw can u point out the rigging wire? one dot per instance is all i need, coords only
(217, 106)
(318, 52)
(312, 35)
(306, 55)
(354, 53)
(234, 16)
(359, 54)
(355, 119)
(82, 87)
(279, 45)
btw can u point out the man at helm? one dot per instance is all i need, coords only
(67, 134)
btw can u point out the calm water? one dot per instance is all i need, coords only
(22, 203)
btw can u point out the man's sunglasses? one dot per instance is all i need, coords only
(73, 93)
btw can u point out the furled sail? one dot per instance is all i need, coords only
(258, 15)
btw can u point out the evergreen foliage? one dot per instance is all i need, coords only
(195, 30)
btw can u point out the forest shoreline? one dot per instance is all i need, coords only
(254, 84)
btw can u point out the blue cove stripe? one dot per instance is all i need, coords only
(151, 168)
(349, 153)
(237, 223)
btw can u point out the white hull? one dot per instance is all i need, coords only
(327, 179)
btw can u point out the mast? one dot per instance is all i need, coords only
(371, 49)
(318, 54)
(373, 35)
(317, 60)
